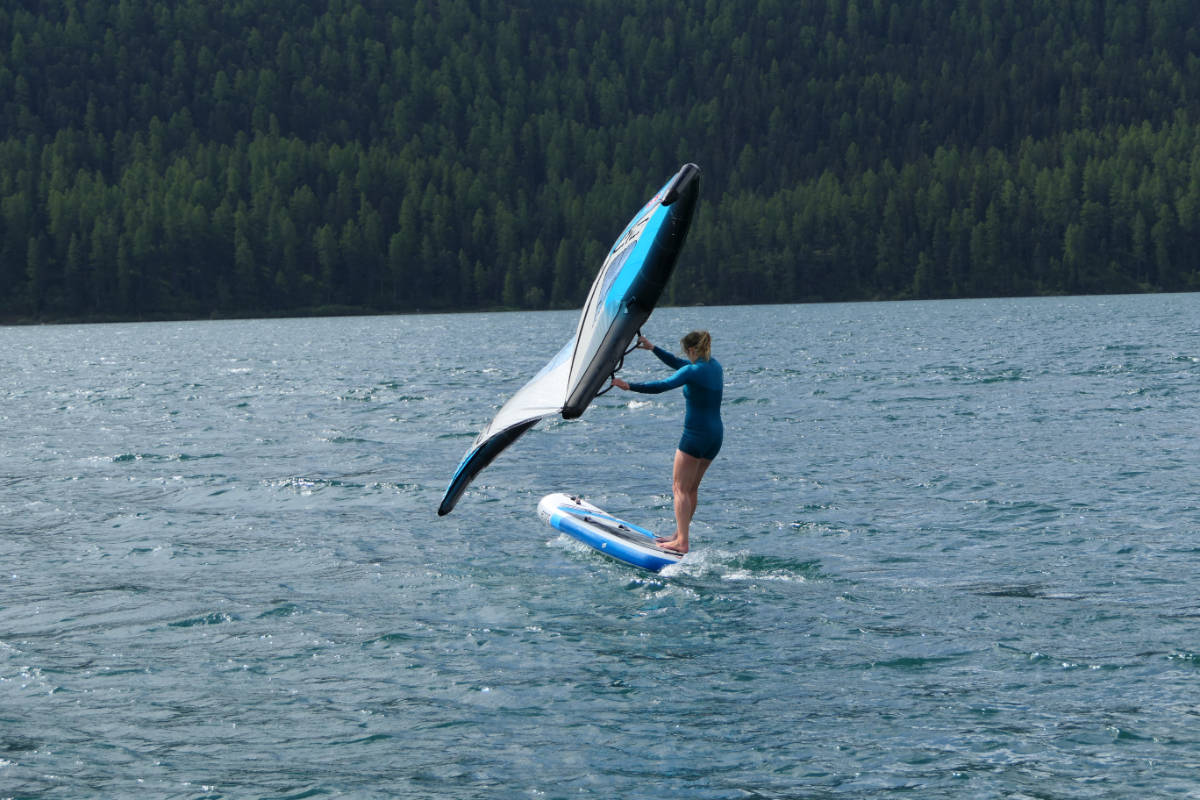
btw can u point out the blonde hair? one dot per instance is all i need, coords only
(699, 340)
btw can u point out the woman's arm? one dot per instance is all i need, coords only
(655, 387)
(670, 359)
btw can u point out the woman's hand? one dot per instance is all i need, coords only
(620, 384)
(644, 343)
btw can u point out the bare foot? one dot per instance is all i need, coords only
(674, 545)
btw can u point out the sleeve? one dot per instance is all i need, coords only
(655, 387)
(670, 359)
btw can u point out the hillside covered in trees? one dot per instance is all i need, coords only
(202, 157)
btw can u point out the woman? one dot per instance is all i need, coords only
(702, 380)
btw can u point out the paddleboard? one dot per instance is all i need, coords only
(600, 530)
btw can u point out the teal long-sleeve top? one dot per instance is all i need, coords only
(703, 385)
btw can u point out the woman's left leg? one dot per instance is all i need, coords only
(685, 484)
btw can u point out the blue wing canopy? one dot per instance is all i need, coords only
(622, 296)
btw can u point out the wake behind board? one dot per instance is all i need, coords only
(598, 529)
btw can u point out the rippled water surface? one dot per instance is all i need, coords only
(949, 550)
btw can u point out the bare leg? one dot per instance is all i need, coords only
(685, 484)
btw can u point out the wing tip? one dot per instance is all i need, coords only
(686, 179)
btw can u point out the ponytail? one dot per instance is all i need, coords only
(701, 341)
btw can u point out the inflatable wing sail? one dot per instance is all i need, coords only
(620, 301)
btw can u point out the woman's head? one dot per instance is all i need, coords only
(699, 341)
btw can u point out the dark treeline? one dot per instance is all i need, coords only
(203, 157)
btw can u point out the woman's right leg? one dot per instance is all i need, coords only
(685, 485)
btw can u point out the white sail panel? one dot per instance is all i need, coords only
(541, 397)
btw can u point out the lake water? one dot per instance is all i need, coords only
(949, 550)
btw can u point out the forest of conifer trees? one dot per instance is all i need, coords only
(248, 157)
